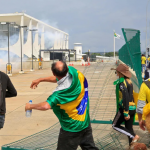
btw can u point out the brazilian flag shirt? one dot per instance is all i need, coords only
(71, 104)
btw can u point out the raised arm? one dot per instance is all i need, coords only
(46, 79)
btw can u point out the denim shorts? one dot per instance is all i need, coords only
(2, 120)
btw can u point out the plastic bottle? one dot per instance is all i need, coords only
(29, 112)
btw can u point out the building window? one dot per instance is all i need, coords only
(25, 31)
(39, 38)
(33, 32)
(13, 35)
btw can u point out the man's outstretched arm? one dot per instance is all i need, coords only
(46, 79)
(41, 106)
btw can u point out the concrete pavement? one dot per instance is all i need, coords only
(17, 125)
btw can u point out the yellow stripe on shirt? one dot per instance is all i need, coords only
(70, 108)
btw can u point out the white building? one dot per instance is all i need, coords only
(78, 48)
(46, 36)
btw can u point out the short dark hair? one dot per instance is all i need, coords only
(57, 72)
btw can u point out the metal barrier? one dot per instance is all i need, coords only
(130, 53)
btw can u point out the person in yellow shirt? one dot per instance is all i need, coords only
(143, 99)
(148, 61)
(143, 62)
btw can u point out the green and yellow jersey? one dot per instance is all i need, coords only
(71, 105)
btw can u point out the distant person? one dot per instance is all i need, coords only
(147, 73)
(6, 90)
(148, 61)
(70, 103)
(143, 62)
(143, 99)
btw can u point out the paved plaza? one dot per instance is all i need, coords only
(102, 108)
(17, 125)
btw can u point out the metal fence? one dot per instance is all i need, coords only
(130, 53)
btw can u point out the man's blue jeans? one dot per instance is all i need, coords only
(2, 120)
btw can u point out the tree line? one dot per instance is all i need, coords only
(107, 54)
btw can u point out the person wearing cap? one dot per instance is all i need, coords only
(126, 108)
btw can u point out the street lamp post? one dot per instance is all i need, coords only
(88, 55)
(32, 30)
(146, 26)
(32, 50)
(8, 47)
(17, 26)
(69, 55)
(8, 65)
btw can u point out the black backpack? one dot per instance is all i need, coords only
(1, 90)
(147, 83)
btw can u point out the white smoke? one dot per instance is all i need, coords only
(51, 35)
(51, 23)
(14, 58)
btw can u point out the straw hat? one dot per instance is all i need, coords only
(124, 69)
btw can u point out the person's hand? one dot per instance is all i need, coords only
(34, 84)
(127, 118)
(27, 107)
(142, 125)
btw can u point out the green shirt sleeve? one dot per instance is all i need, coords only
(52, 100)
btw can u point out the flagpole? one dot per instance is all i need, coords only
(114, 45)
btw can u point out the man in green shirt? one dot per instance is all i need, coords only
(70, 103)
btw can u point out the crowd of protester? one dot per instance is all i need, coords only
(145, 64)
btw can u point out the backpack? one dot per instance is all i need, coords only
(147, 83)
(1, 90)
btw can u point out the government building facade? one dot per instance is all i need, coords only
(21, 31)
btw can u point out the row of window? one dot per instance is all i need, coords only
(13, 35)
(49, 37)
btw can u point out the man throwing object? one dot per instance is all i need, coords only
(70, 103)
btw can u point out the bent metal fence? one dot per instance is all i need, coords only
(102, 111)
(102, 108)
(130, 53)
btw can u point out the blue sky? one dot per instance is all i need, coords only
(90, 22)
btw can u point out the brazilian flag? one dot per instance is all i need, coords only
(71, 105)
